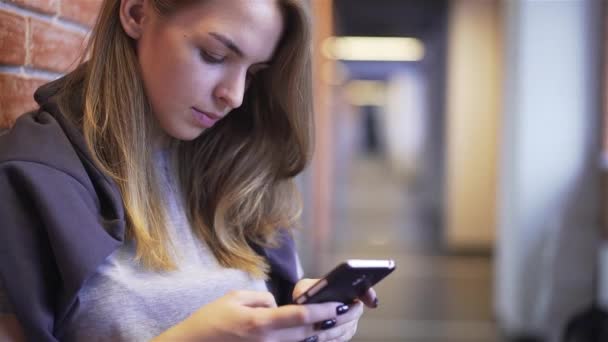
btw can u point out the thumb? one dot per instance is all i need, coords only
(255, 299)
(302, 286)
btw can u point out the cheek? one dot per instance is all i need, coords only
(174, 82)
(158, 82)
(161, 62)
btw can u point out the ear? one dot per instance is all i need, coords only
(132, 17)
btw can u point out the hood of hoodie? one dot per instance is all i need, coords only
(46, 136)
(60, 216)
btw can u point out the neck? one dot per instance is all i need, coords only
(160, 140)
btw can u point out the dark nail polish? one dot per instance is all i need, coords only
(342, 309)
(314, 338)
(376, 302)
(325, 324)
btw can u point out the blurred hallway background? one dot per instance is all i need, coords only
(461, 138)
(431, 296)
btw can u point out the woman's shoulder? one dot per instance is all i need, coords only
(45, 136)
(35, 137)
(37, 140)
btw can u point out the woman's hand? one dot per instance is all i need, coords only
(344, 327)
(254, 316)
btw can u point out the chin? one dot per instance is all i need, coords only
(184, 133)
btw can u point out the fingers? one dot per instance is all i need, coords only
(370, 299)
(254, 299)
(342, 333)
(297, 315)
(354, 312)
(302, 286)
(345, 325)
(295, 322)
(299, 322)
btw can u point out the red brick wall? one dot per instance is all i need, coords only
(39, 41)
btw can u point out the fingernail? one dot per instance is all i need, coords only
(314, 338)
(325, 324)
(342, 309)
(376, 302)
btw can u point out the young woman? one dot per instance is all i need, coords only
(149, 197)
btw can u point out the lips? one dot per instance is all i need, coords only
(205, 119)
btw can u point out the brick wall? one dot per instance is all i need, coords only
(39, 41)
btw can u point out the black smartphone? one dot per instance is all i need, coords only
(348, 281)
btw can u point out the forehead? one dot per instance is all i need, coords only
(255, 26)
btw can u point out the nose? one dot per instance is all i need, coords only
(231, 89)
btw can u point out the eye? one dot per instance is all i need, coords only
(212, 58)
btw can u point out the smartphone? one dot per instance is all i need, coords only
(348, 281)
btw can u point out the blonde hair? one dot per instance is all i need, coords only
(236, 178)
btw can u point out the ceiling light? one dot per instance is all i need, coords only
(373, 48)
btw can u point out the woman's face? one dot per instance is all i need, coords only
(196, 63)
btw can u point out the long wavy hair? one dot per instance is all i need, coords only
(236, 179)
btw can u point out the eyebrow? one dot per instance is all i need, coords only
(229, 43)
